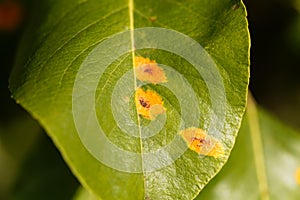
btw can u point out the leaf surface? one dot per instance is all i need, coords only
(61, 39)
(270, 171)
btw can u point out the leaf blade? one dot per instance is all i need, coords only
(281, 151)
(46, 90)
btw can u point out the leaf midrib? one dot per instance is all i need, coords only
(131, 17)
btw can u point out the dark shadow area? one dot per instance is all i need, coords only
(275, 57)
(30, 164)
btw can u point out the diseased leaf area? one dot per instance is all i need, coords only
(66, 32)
(281, 157)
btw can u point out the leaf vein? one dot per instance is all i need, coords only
(73, 37)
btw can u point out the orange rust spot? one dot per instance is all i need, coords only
(148, 103)
(153, 18)
(10, 15)
(297, 175)
(202, 143)
(148, 71)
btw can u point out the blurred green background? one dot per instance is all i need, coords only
(30, 163)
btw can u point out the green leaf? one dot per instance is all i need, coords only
(83, 194)
(264, 162)
(65, 40)
(44, 175)
(14, 148)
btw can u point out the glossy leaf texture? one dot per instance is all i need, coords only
(267, 172)
(61, 39)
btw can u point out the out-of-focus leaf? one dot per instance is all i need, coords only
(259, 170)
(17, 138)
(44, 175)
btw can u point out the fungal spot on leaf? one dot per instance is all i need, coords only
(297, 176)
(148, 103)
(148, 71)
(202, 143)
(153, 18)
